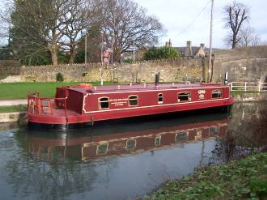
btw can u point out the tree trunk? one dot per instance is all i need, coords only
(54, 55)
(72, 56)
(53, 49)
(117, 55)
(234, 42)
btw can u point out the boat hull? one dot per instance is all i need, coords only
(47, 124)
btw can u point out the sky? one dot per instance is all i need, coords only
(186, 20)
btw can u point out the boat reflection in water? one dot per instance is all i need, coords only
(122, 139)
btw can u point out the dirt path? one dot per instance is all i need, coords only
(13, 102)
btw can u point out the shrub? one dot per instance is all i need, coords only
(156, 53)
(128, 60)
(59, 77)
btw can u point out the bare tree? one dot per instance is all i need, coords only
(78, 26)
(248, 37)
(236, 15)
(60, 23)
(41, 19)
(124, 24)
(5, 20)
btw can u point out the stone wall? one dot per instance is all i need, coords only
(9, 67)
(247, 64)
(176, 70)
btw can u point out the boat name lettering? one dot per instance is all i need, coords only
(119, 103)
(116, 100)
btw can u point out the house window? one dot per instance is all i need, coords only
(184, 96)
(182, 136)
(216, 94)
(104, 102)
(130, 144)
(158, 140)
(133, 100)
(102, 149)
(160, 98)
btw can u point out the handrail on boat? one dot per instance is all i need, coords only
(44, 105)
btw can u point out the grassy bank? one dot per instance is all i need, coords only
(246, 92)
(6, 109)
(20, 90)
(243, 179)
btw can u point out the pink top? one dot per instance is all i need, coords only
(140, 87)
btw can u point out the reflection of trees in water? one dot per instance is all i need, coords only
(260, 127)
(247, 134)
(233, 146)
(49, 180)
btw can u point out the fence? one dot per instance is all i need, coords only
(248, 86)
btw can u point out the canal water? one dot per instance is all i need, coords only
(125, 160)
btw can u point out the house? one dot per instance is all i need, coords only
(192, 51)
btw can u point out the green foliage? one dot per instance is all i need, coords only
(5, 53)
(244, 179)
(79, 58)
(161, 53)
(59, 77)
(128, 60)
(259, 186)
(26, 41)
(63, 58)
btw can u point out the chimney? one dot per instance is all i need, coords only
(188, 51)
(170, 43)
(188, 44)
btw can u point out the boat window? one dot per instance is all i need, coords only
(214, 130)
(104, 102)
(102, 149)
(198, 135)
(130, 144)
(160, 98)
(184, 96)
(216, 94)
(133, 100)
(181, 136)
(157, 140)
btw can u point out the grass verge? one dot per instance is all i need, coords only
(18, 108)
(20, 90)
(246, 92)
(243, 179)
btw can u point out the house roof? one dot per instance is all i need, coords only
(183, 49)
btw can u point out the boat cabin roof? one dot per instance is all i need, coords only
(140, 87)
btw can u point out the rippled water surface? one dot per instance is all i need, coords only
(122, 161)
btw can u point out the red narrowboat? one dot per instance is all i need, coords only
(87, 104)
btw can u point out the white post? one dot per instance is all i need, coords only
(210, 50)
(259, 86)
(231, 86)
(85, 50)
(245, 86)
